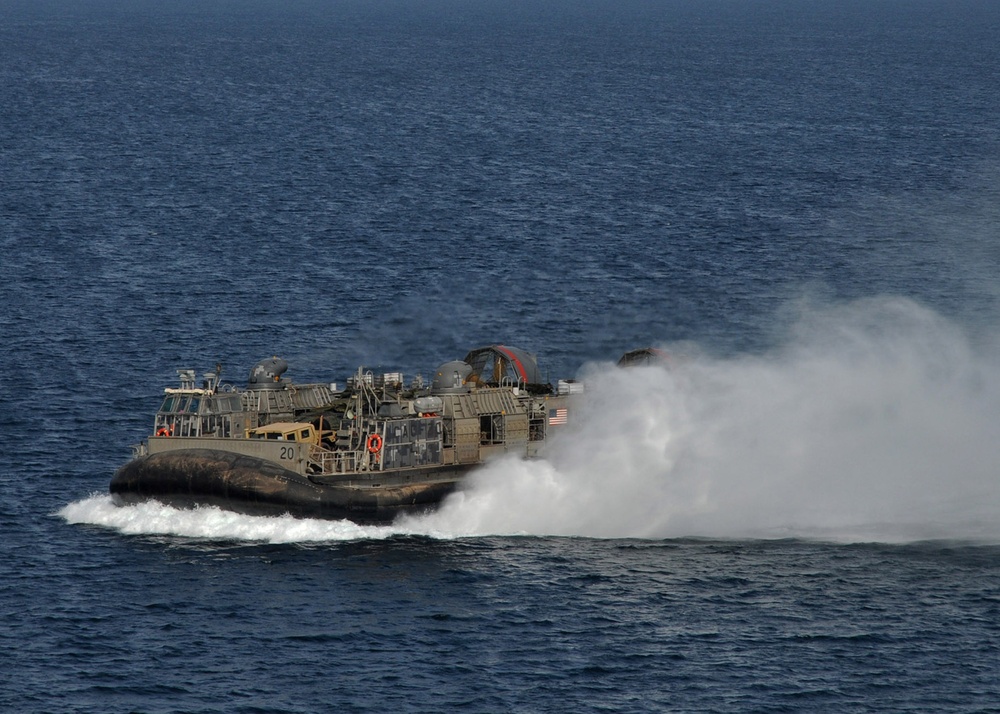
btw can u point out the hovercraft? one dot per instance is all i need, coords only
(367, 453)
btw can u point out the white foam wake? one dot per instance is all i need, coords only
(213, 523)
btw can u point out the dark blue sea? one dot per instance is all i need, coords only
(799, 200)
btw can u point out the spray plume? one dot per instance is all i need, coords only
(877, 420)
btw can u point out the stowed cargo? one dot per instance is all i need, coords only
(367, 453)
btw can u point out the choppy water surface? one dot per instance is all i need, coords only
(798, 200)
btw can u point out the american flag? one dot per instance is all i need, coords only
(557, 416)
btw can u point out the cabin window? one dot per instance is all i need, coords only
(220, 405)
(180, 404)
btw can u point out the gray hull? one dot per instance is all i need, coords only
(247, 484)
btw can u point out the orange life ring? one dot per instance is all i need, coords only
(164, 431)
(374, 444)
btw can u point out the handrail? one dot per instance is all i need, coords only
(342, 462)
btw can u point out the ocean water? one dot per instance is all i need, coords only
(799, 200)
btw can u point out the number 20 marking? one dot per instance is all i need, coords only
(287, 452)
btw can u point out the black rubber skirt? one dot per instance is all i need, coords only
(246, 484)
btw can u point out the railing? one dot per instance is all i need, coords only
(342, 462)
(515, 384)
